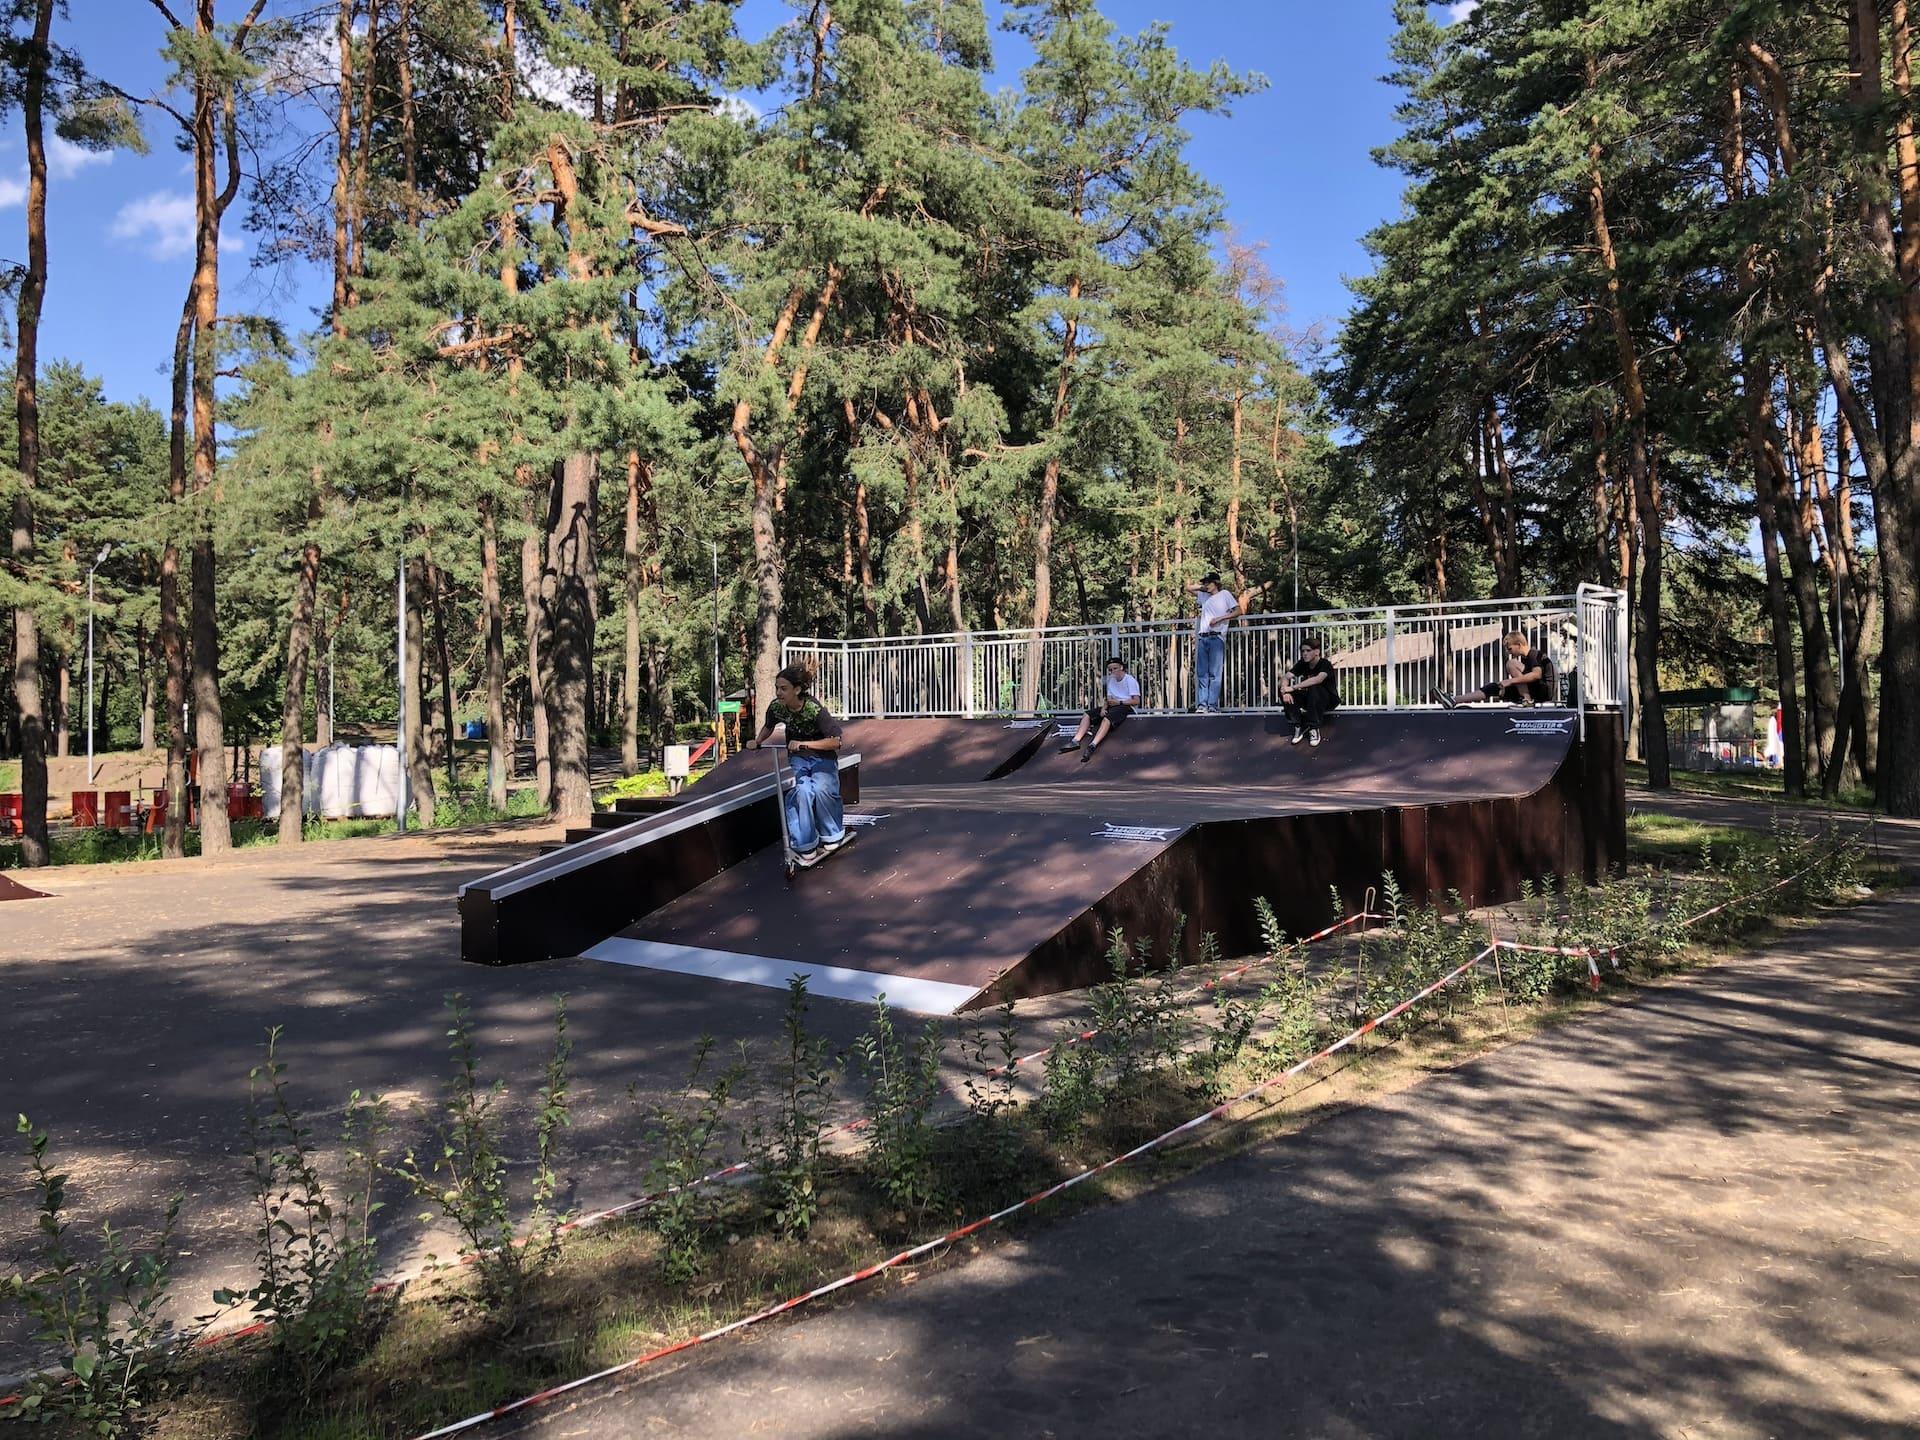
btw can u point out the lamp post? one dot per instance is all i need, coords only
(715, 544)
(98, 561)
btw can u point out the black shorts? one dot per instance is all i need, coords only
(1114, 714)
(1534, 692)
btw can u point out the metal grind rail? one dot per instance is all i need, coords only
(1388, 658)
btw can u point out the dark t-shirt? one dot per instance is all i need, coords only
(1541, 689)
(1303, 670)
(810, 722)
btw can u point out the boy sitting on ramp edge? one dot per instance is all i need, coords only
(1122, 694)
(1528, 681)
(1309, 692)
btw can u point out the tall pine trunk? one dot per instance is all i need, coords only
(496, 661)
(173, 644)
(630, 688)
(531, 584)
(293, 709)
(568, 595)
(26, 409)
(1645, 478)
(413, 696)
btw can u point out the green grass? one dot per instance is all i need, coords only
(630, 787)
(9, 776)
(1750, 785)
(1667, 839)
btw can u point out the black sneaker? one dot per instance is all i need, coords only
(1069, 746)
(1441, 698)
(1086, 754)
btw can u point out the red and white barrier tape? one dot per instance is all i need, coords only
(925, 1247)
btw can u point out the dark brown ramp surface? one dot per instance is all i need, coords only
(11, 889)
(951, 886)
(1406, 756)
(927, 907)
(943, 751)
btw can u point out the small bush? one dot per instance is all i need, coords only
(687, 1137)
(466, 1179)
(901, 1086)
(315, 1258)
(786, 1151)
(99, 1313)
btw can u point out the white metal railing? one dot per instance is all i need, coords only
(1388, 658)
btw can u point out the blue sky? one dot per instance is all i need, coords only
(1292, 161)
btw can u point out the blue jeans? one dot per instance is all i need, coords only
(814, 812)
(1209, 659)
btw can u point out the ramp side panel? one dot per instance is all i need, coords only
(569, 911)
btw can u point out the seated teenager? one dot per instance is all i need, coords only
(1528, 681)
(1121, 694)
(1309, 692)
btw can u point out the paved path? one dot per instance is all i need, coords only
(1695, 1216)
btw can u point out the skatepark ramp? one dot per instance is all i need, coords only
(965, 890)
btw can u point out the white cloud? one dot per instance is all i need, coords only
(1461, 9)
(162, 221)
(13, 191)
(65, 159)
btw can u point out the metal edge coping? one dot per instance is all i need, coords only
(525, 873)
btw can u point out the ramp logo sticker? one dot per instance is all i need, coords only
(1150, 834)
(1539, 725)
(863, 820)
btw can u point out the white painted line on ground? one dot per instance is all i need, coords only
(836, 982)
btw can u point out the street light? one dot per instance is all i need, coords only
(98, 561)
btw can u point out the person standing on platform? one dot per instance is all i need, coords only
(1309, 692)
(1122, 693)
(816, 818)
(1217, 606)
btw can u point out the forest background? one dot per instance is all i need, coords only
(617, 287)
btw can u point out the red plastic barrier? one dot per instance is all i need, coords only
(86, 809)
(119, 809)
(237, 801)
(13, 809)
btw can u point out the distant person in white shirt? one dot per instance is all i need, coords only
(1122, 694)
(1217, 606)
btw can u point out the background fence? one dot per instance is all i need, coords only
(1388, 658)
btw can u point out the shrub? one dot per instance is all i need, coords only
(314, 1258)
(687, 1136)
(901, 1085)
(466, 1179)
(786, 1152)
(99, 1313)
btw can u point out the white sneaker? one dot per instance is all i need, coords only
(1313, 737)
(828, 847)
(810, 858)
(1298, 735)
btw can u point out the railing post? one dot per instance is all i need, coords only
(966, 673)
(846, 677)
(1580, 661)
(1393, 687)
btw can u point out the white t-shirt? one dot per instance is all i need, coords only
(1214, 612)
(1124, 691)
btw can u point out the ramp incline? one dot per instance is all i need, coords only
(962, 894)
